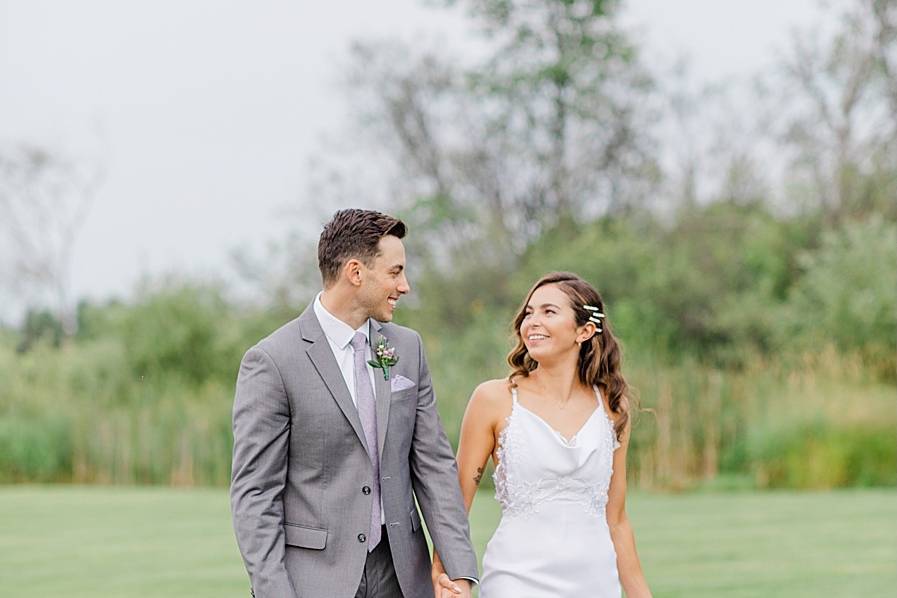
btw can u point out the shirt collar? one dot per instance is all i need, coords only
(337, 331)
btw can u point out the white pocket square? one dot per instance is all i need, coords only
(398, 383)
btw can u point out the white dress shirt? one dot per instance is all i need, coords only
(339, 336)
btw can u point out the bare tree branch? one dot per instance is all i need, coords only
(44, 199)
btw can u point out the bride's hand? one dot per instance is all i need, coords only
(446, 588)
(443, 587)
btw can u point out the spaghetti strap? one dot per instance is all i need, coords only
(610, 422)
(599, 398)
(514, 395)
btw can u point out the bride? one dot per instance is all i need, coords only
(557, 430)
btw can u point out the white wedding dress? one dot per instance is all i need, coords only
(553, 540)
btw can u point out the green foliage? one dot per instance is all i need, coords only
(846, 294)
(142, 395)
(821, 453)
(735, 326)
(706, 286)
(36, 448)
(40, 326)
(175, 332)
(701, 306)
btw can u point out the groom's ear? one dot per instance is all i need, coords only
(352, 271)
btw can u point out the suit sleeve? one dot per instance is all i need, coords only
(261, 425)
(435, 481)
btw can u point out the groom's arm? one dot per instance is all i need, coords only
(435, 481)
(261, 436)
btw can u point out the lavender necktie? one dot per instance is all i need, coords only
(367, 411)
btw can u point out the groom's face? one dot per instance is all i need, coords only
(384, 282)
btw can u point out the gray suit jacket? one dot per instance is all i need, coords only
(300, 470)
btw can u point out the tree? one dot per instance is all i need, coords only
(44, 198)
(546, 129)
(568, 86)
(846, 295)
(839, 112)
(884, 14)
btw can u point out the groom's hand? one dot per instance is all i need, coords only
(447, 588)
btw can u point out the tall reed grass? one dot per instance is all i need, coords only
(76, 415)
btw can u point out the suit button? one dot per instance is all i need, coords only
(362, 538)
(365, 490)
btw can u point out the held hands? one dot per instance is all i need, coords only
(443, 587)
(446, 588)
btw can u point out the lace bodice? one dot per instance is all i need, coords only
(537, 464)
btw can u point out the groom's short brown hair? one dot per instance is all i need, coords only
(353, 234)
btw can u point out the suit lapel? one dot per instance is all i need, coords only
(382, 389)
(321, 356)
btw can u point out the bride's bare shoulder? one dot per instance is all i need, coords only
(492, 390)
(491, 396)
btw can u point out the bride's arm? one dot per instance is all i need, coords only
(478, 433)
(630, 569)
(475, 445)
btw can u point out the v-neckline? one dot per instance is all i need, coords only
(572, 440)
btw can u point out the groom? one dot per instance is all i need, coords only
(336, 433)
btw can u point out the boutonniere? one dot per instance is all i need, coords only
(384, 357)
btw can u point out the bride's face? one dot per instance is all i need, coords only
(549, 324)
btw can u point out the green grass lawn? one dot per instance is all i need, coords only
(146, 542)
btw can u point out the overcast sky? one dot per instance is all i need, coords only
(203, 112)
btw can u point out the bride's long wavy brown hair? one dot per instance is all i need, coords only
(599, 357)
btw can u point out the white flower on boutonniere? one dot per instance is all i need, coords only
(384, 357)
